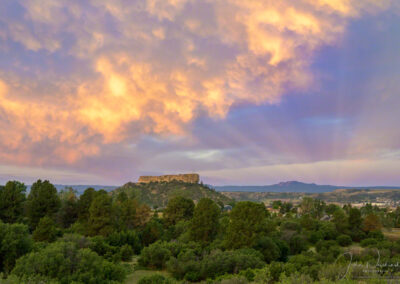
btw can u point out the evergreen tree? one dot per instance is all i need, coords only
(12, 198)
(125, 210)
(45, 231)
(84, 203)
(100, 216)
(68, 213)
(340, 220)
(178, 208)
(355, 219)
(204, 225)
(142, 215)
(15, 241)
(42, 201)
(153, 231)
(247, 221)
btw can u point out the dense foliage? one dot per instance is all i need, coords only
(59, 237)
(158, 194)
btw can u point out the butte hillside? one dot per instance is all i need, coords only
(155, 191)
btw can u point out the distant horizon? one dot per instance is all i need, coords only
(220, 185)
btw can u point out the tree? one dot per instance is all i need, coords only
(204, 225)
(371, 223)
(297, 244)
(45, 231)
(153, 231)
(268, 248)
(84, 203)
(178, 208)
(68, 213)
(126, 252)
(247, 221)
(355, 219)
(129, 213)
(100, 216)
(12, 198)
(276, 204)
(142, 215)
(344, 240)
(307, 205)
(314, 207)
(15, 241)
(155, 255)
(42, 201)
(286, 207)
(340, 220)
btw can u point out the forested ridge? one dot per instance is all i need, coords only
(59, 237)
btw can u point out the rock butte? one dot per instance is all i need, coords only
(189, 178)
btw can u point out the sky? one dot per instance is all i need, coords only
(241, 92)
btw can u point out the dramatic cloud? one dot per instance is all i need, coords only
(85, 75)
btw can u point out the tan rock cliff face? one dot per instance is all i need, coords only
(189, 178)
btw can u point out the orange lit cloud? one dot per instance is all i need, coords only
(150, 72)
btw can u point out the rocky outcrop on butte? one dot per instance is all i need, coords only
(188, 178)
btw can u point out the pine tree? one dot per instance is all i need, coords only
(100, 216)
(42, 201)
(12, 198)
(45, 231)
(204, 224)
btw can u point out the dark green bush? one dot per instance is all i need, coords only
(218, 262)
(297, 244)
(344, 240)
(64, 262)
(45, 231)
(129, 237)
(15, 241)
(99, 245)
(126, 252)
(368, 242)
(378, 235)
(155, 256)
(268, 248)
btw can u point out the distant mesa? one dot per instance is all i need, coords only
(188, 178)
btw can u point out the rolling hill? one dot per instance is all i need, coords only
(157, 194)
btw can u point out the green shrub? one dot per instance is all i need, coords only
(249, 274)
(344, 240)
(64, 262)
(378, 235)
(15, 241)
(126, 252)
(325, 245)
(155, 256)
(357, 235)
(297, 244)
(315, 236)
(99, 245)
(368, 242)
(268, 248)
(290, 226)
(129, 237)
(45, 231)
(218, 263)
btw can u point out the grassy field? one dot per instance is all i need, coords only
(393, 234)
(138, 274)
